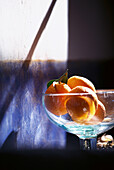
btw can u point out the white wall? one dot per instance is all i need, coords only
(19, 23)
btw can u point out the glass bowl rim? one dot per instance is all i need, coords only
(99, 91)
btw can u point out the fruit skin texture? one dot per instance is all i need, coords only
(56, 104)
(80, 81)
(82, 108)
(99, 115)
(83, 89)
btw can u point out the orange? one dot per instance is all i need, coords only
(91, 94)
(81, 108)
(80, 81)
(56, 104)
(99, 115)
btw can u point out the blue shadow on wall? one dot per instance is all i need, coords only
(21, 108)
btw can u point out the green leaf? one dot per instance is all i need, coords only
(63, 79)
(50, 82)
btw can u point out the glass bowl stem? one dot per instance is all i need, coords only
(88, 144)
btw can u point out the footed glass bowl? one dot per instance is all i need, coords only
(87, 131)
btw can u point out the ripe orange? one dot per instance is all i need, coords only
(90, 93)
(81, 108)
(80, 81)
(99, 115)
(56, 104)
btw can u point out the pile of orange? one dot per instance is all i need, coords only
(83, 107)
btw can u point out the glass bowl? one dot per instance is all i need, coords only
(87, 130)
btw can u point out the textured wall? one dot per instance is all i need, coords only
(23, 122)
(22, 116)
